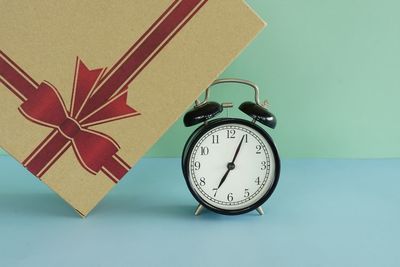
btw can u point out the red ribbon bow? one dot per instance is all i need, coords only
(93, 149)
(97, 98)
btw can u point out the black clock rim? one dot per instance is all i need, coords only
(198, 133)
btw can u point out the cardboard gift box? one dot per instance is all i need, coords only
(88, 86)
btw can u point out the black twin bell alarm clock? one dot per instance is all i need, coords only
(231, 165)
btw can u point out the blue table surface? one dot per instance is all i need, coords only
(323, 213)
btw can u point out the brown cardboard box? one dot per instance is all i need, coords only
(88, 86)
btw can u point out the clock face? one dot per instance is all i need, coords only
(232, 166)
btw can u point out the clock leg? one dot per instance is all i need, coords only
(198, 210)
(260, 210)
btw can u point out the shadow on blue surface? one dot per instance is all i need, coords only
(47, 205)
(34, 205)
(130, 207)
(50, 206)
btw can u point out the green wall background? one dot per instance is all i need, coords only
(331, 72)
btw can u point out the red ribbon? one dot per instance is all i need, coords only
(94, 150)
(98, 97)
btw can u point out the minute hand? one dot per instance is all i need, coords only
(231, 165)
(238, 149)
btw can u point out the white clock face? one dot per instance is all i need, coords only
(231, 167)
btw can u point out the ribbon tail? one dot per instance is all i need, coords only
(84, 82)
(115, 109)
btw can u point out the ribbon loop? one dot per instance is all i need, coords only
(94, 149)
(45, 106)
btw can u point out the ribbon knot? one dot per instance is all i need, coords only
(70, 128)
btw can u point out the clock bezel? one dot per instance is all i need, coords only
(201, 131)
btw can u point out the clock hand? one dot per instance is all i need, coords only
(231, 165)
(238, 149)
(223, 178)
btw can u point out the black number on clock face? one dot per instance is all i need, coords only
(197, 165)
(230, 134)
(215, 191)
(249, 178)
(246, 193)
(215, 139)
(204, 151)
(263, 165)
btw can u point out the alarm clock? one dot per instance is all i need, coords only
(231, 165)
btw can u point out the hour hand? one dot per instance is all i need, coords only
(223, 178)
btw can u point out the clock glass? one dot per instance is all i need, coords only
(232, 166)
